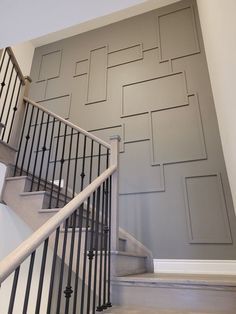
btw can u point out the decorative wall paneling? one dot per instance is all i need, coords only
(146, 79)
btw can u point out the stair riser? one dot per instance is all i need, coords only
(201, 299)
(122, 265)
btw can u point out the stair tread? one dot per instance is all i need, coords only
(128, 253)
(222, 280)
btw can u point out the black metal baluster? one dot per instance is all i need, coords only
(76, 161)
(68, 291)
(21, 138)
(109, 248)
(68, 166)
(106, 230)
(77, 269)
(29, 281)
(6, 95)
(96, 247)
(59, 295)
(44, 148)
(41, 276)
(100, 307)
(85, 258)
(82, 175)
(49, 153)
(3, 84)
(37, 151)
(53, 271)
(62, 164)
(9, 107)
(32, 142)
(91, 253)
(27, 137)
(3, 59)
(14, 111)
(13, 291)
(55, 163)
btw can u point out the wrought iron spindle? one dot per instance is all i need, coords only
(59, 295)
(3, 84)
(28, 285)
(55, 163)
(9, 107)
(109, 248)
(68, 291)
(49, 152)
(68, 165)
(15, 108)
(6, 95)
(41, 277)
(13, 291)
(21, 138)
(32, 141)
(27, 137)
(85, 257)
(44, 148)
(76, 162)
(53, 270)
(37, 150)
(82, 175)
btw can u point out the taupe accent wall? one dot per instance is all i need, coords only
(146, 79)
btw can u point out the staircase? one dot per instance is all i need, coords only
(63, 183)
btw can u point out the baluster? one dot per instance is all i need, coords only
(98, 196)
(77, 269)
(6, 95)
(49, 153)
(13, 291)
(100, 307)
(32, 142)
(62, 268)
(76, 162)
(53, 270)
(109, 248)
(41, 276)
(27, 137)
(85, 258)
(68, 166)
(55, 164)
(106, 230)
(3, 84)
(29, 281)
(62, 164)
(37, 150)
(68, 291)
(9, 107)
(82, 175)
(21, 138)
(44, 148)
(14, 111)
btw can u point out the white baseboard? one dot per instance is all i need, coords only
(187, 266)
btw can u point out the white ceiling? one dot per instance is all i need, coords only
(44, 21)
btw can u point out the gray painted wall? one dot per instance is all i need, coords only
(146, 79)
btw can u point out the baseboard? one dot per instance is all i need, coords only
(187, 266)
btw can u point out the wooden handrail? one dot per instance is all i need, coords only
(24, 250)
(75, 127)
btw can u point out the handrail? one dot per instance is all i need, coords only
(75, 127)
(16, 257)
(16, 64)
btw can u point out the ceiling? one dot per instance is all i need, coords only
(46, 21)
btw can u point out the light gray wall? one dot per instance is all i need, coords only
(146, 79)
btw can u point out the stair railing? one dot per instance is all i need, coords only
(13, 86)
(77, 172)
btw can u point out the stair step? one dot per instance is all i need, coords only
(200, 293)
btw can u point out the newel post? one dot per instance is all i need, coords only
(16, 131)
(114, 160)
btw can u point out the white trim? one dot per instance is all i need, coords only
(187, 266)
